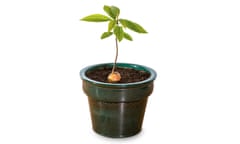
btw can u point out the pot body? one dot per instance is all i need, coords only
(117, 110)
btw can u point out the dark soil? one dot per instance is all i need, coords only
(127, 75)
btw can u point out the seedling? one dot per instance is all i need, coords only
(116, 27)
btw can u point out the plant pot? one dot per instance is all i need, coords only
(117, 109)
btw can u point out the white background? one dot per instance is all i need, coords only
(192, 44)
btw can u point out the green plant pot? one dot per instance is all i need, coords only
(117, 110)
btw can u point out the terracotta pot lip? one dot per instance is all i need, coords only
(152, 77)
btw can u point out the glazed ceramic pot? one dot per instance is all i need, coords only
(117, 109)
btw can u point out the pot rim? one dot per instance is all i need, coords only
(152, 72)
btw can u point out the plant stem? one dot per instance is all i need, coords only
(115, 61)
(116, 56)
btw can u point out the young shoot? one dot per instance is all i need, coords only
(116, 27)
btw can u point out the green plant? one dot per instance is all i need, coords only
(116, 26)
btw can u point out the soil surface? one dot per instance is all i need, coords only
(127, 75)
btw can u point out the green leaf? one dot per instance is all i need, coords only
(119, 33)
(108, 10)
(132, 26)
(127, 36)
(115, 10)
(111, 24)
(96, 18)
(123, 23)
(112, 11)
(106, 34)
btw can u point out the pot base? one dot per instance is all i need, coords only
(117, 119)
